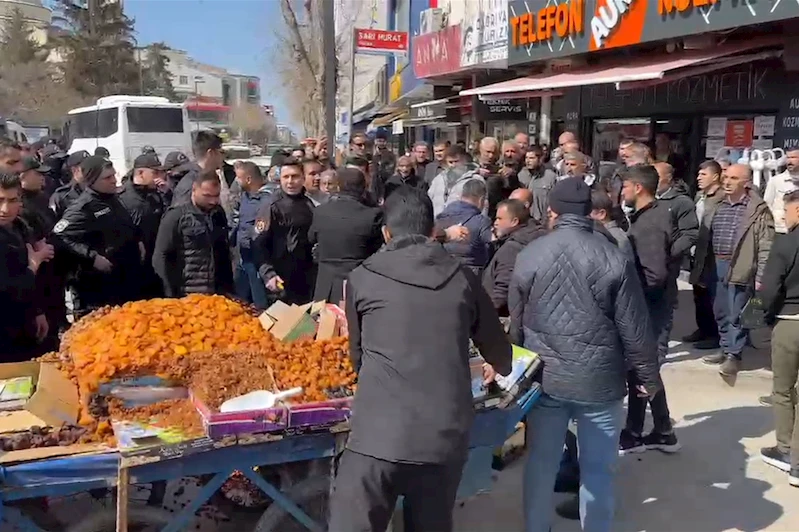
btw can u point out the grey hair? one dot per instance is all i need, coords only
(574, 156)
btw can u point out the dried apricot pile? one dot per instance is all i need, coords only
(318, 366)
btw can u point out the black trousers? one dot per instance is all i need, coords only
(703, 305)
(366, 490)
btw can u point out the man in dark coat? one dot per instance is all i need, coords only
(438, 164)
(514, 229)
(346, 231)
(105, 243)
(65, 195)
(474, 251)
(575, 299)
(404, 176)
(24, 323)
(146, 206)
(281, 247)
(411, 310)
(384, 160)
(256, 193)
(674, 195)
(192, 252)
(207, 148)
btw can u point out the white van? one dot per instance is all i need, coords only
(12, 130)
(125, 124)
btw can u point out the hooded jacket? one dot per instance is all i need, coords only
(575, 299)
(447, 187)
(498, 274)
(411, 310)
(474, 252)
(682, 209)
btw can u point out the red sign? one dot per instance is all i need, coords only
(739, 133)
(437, 53)
(381, 41)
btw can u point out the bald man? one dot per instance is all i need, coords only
(523, 141)
(675, 195)
(524, 195)
(740, 238)
(778, 186)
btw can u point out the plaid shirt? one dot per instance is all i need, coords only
(727, 224)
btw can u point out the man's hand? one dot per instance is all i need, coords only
(489, 374)
(642, 391)
(36, 258)
(102, 264)
(485, 172)
(47, 250)
(456, 233)
(275, 284)
(142, 252)
(42, 328)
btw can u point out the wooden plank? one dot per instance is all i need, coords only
(122, 499)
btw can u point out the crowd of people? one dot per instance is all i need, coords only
(578, 261)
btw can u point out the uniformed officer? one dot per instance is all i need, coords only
(146, 205)
(102, 237)
(65, 195)
(281, 247)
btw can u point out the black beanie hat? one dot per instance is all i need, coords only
(571, 196)
(93, 167)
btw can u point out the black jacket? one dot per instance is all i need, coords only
(182, 191)
(18, 295)
(396, 181)
(346, 232)
(385, 162)
(37, 214)
(575, 299)
(651, 236)
(281, 245)
(411, 309)
(683, 219)
(498, 274)
(192, 253)
(98, 224)
(780, 285)
(476, 250)
(63, 197)
(146, 206)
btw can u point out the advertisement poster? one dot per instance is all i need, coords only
(764, 126)
(484, 32)
(739, 133)
(716, 127)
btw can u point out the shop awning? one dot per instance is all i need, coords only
(653, 67)
(387, 120)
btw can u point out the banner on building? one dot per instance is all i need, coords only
(382, 42)
(485, 33)
(437, 53)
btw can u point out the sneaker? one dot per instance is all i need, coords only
(793, 477)
(666, 443)
(629, 443)
(766, 400)
(730, 367)
(707, 343)
(695, 336)
(776, 458)
(713, 358)
(569, 509)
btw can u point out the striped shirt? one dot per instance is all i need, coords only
(727, 224)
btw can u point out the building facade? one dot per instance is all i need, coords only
(35, 13)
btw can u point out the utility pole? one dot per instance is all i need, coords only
(329, 46)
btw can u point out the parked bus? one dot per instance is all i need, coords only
(125, 124)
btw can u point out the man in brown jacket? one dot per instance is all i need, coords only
(735, 238)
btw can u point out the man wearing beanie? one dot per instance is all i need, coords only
(576, 300)
(100, 235)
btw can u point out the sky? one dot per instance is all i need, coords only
(233, 34)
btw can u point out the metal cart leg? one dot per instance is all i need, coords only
(122, 499)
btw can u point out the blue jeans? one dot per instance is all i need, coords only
(598, 429)
(249, 285)
(728, 303)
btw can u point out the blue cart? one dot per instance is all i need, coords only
(299, 506)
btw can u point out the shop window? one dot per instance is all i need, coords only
(607, 134)
(183, 80)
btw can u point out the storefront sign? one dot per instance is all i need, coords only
(488, 110)
(429, 112)
(571, 27)
(437, 53)
(395, 87)
(371, 41)
(485, 33)
(786, 130)
(739, 133)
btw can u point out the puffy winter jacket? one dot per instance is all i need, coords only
(447, 187)
(575, 299)
(474, 252)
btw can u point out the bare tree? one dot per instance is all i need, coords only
(252, 123)
(34, 94)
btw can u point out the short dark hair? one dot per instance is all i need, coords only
(455, 151)
(278, 158)
(7, 144)
(713, 166)
(311, 160)
(408, 211)
(299, 147)
(206, 176)
(356, 160)
(515, 208)
(351, 181)
(643, 174)
(10, 181)
(535, 148)
(206, 140)
(251, 169)
(357, 135)
(444, 143)
(791, 197)
(474, 188)
(293, 161)
(600, 201)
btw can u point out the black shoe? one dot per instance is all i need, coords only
(567, 484)
(776, 458)
(696, 336)
(766, 400)
(730, 367)
(793, 477)
(629, 443)
(713, 359)
(569, 509)
(666, 443)
(707, 343)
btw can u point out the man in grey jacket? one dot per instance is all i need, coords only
(576, 300)
(539, 180)
(447, 187)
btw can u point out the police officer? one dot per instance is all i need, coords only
(65, 195)
(146, 205)
(102, 237)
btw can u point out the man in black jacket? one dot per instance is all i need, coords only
(475, 250)
(192, 252)
(146, 206)
(438, 164)
(207, 148)
(346, 231)
(780, 298)
(24, 323)
(66, 195)
(281, 247)
(675, 196)
(411, 309)
(651, 235)
(404, 176)
(576, 300)
(101, 237)
(514, 229)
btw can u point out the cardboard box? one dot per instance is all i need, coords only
(328, 325)
(291, 322)
(53, 403)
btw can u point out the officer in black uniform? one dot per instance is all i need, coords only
(100, 234)
(35, 205)
(146, 205)
(65, 195)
